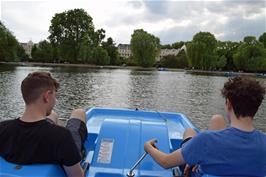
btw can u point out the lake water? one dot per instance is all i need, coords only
(198, 97)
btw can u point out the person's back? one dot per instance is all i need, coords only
(37, 142)
(229, 152)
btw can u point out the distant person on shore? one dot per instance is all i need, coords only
(238, 150)
(35, 137)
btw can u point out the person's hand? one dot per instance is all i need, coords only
(149, 144)
(188, 169)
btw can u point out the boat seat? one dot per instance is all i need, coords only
(120, 144)
(8, 169)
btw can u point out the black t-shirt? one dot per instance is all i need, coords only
(37, 142)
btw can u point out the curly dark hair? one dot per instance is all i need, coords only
(245, 95)
(35, 83)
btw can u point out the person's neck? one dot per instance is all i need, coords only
(33, 113)
(242, 123)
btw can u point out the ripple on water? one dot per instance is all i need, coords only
(196, 96)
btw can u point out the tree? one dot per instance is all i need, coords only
(227, 49)
(251, 55)
(8, 45)
(144, 47)
(112, 51)
(100, 56)
(221, 63)
(42, 52)
(169, 61)
(166, 46)
(182, 60)
(178, 45)
(22, 56)
(201, 51)
(98, 36)
(262, 39)
(172, 61)
(251, 40)
(71, 31)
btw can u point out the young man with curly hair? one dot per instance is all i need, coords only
(239, 150)
(35, 137)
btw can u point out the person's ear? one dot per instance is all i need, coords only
(46, 96)
(228, 104)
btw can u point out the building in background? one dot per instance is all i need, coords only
(124, 50)
(27, 47)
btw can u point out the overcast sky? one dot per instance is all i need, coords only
(171, 21)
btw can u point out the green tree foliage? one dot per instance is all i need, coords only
(144, 47)
(172, 61)
(226, 49)
(8, 45)
(42, 52)
(22, 56)
(112, 51)
(100, 56)
(166, 46)
(250, 56)
(98, 36)
(250, 40)
(221, 63)
(72, 33)
(178, 45)
(201, 51)
(169, 61)
(262, 39)
(182, 60)
(129, 61)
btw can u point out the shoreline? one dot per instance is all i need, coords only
(87, 66)
(224, 73)
(187, 71)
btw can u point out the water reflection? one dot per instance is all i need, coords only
(206, 98)
(196, 96)
(143, 89)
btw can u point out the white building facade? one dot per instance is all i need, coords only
(27, 47)
(125, 51)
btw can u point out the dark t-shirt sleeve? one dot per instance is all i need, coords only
(67, 151)
(194, 150)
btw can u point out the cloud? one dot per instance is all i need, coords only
(171, 21)
(227, 20)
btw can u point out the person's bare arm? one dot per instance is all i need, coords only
(165, 160)
(74, 171)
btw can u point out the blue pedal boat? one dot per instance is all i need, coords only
(115, 143)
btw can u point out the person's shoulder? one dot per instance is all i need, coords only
(226, 130)
(7, 122)
(214, 134)
(203, 135)
(261, 134)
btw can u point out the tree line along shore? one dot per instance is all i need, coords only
(139, 68)
(73, 39)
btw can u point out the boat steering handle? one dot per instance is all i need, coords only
(131, 173)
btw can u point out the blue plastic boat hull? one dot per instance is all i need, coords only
(115, 142)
